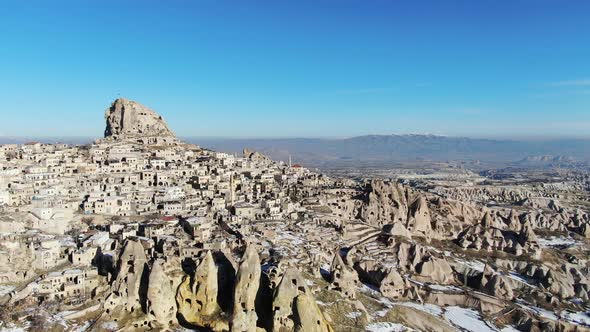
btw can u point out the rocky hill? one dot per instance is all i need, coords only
(127, 118)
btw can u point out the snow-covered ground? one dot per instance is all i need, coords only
(445, 288)
(13, 328)
(5, 289)
(371, 290)
(557, 242)
(291, 238)
(576, 318)
(539, 311)
(110, 326)
(82, 328)
(473, 264)
(387, 327)
(467, 319)
(581, 318)
(325, 269)
(519, 278)
(354, 314)
(428, 308)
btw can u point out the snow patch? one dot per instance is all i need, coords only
(370, 289)
(12, 329)
(325, 270)
(519, 278)
(467, 319)
(581, 318)
(290, 237)
(110, 326)
(427, 307)
(381, 313)
(473, 264)
(557, 242)
(539, 311)
(354, 314)
(84, 327)
(4, 290)
(387, 327)
(445, 288)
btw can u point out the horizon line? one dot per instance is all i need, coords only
(488, 137)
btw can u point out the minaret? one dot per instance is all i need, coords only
(232, 193)
(289, 161)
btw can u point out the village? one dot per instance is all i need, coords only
(140, 230)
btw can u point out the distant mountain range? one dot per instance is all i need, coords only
(46, 139)
(382, 149)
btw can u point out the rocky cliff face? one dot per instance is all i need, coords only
(128, 285)
(294, 308)
(244, 316)
(197, 297)
(386, 203)
(126, 118)
(160, 295)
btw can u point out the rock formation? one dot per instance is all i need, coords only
(161, 304)
(255, 156)
(343, 278)
(244, 315)
(386, 203)
(126, 118)
(197, 297)
(495, 284)
(436, 270)
(513, 222)
(419, 218)
(311, 318)
(489, 235)
(294, 308)
(393, 285)
(128, 286)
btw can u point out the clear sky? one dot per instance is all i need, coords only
(299, 68)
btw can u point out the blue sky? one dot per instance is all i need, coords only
(299, 68)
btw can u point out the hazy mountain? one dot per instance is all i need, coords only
(46, 139)
(376, 149)
(550, 161)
